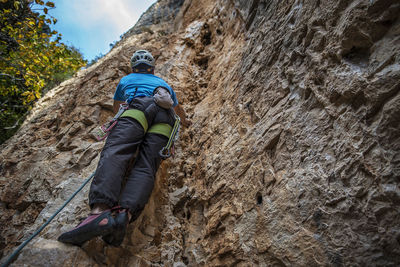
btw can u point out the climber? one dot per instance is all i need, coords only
(146, 126)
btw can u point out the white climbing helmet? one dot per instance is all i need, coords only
(142, 56)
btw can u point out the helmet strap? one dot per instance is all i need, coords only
(143, 70)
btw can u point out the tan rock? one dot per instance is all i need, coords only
(292, 158)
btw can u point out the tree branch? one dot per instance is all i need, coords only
(17, 122)
(10, 76)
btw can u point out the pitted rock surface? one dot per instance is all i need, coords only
(293, 157)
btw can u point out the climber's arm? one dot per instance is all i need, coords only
(116, 105)
(181, 113)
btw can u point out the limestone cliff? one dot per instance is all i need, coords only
(293, 157)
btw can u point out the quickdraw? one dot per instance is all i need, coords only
(169, 149)
(104, 130)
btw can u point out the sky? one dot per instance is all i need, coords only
(92, 25)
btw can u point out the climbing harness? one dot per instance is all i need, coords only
(16, 252)
(159, 128)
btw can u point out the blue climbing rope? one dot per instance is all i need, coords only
(16, 252)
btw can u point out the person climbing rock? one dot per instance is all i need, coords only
(145, 124)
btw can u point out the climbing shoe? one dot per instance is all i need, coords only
(117, 236)
(94, 225)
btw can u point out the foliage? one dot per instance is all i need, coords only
(32, 59)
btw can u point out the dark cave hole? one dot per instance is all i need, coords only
(259, 199)
(358, 56)
(185, 260)
(188, 215)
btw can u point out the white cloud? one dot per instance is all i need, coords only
(119, 15)
(91, 25)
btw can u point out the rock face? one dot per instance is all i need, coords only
(160, 13)
(293, 157)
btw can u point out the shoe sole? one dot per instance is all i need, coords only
(84, 233)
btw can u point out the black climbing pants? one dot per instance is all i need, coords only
(108, 186)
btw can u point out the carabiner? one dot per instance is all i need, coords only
(162, 153)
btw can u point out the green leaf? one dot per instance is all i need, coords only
(17, 4)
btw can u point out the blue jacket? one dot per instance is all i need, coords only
(145, 84)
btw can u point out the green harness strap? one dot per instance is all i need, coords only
(161, 128)
(158, 128)
(137, 115)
